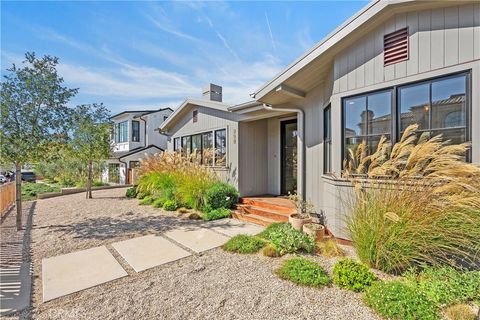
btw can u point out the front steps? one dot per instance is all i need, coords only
(264, 210)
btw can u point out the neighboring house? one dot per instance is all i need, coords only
(392, 64)
(135, 135)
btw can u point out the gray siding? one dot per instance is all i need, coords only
(439, 38)
(212, 119)
(253, 161)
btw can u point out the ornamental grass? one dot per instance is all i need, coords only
(416, 202)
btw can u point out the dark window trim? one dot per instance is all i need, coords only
(214, 144)
(327, 140)
(137, 131)
(283, 124)
(395, 134)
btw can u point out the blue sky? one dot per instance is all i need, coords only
(146, 55)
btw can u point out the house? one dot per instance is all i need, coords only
(135, 135)
(392, 64)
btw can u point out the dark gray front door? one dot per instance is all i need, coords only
(288, 157)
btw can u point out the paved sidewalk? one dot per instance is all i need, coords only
(80, 270)
(15, 262)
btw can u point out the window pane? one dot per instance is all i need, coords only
(197, 146)
(135, 131)
(379, 113)
(355, 109)
(414, 106)
(220, 147)
(352, 144)
(186, 147)
(207, 152)
(456, 136)
(176, 144)
(114, 173)
(448, 103)
(373, 143)
(327, 140)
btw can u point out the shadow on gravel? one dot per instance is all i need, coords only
(105, 227)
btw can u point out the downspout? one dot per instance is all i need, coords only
(144, 131)
(301, 116)
(126, 168)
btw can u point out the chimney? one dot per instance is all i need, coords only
(212, 92)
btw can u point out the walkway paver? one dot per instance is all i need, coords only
(233, 227)
(196, 238)
(149, 251)
(77, 271)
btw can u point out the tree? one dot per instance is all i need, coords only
(34, 113)
(91, 137)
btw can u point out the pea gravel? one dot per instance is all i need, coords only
(212, 285)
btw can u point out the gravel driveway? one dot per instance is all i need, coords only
(212, 285)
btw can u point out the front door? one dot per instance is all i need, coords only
(288, 158)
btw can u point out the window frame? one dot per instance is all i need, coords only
(327, 140)
(214, 145)
(136, 138)
(119, 133)
(395, 131)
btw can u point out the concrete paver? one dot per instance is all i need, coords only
(197, 239)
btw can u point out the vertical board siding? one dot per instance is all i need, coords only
(438, 38)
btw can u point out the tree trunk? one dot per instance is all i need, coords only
(18, 194)
(89, 180)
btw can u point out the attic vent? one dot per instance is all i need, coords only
(195, 115)
(395, 46)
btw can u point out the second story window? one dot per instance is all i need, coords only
(135, 131)
(121, 132)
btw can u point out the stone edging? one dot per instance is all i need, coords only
(67, 191)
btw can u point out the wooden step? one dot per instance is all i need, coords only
(277, 204)
(264, 212)
(253, 218)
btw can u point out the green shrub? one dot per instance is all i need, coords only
(304, 272)
(170, 205)
(445, 285)
(216, 214)
(158, 203)
(352, 275)
(131, 192)
(98, 183)
(221, 195)
(398, 301)
(244, 244)
(288, 240)
(141, 195)
(30, 190)
(148, 200)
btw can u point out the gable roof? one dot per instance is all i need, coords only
(123, 154)
(143, 112)
(187, 105)
(319, 58)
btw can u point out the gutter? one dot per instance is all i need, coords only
(301, 117)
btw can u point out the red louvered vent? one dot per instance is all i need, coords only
(195, 115)
(395, 46)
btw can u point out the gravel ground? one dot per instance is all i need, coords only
(212, 285)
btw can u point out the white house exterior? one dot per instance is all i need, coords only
(391, 64)
(135, 135)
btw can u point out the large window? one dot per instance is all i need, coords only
(135, 131)
(220, 147)
(211, 152)
(121, 132)
(367, 118)
(327, 140)
(438, 106)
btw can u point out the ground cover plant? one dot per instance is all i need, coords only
(30, 190)
(460, 312)
(169, 177)
(329, 248)
(215, 214)
(398, 301)
(286, 239)
(244, 244)
(352, 275)
(304, 272)
(420, 204)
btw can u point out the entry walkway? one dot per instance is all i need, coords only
(73, 272)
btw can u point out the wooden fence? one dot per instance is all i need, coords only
(7, 197)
